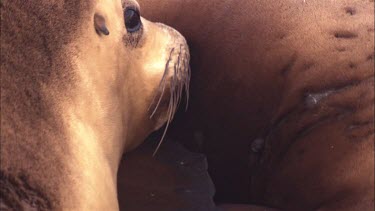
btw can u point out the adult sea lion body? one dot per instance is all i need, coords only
(282, 98)
(81, 82)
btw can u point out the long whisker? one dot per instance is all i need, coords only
(178, 83)
(169, 116)
(181, 76)
(162, 81)
(161, 85)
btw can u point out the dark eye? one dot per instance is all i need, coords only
(132, 20)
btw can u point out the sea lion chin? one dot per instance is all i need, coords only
(82, 82)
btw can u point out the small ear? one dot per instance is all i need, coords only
(100, 26)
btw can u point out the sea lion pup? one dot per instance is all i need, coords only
(81, 83)
(282, 98)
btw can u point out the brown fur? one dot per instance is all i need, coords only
(33, 35)
(257, 68)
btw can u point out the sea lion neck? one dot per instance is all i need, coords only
(95, 127)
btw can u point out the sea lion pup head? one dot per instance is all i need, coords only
(147, 62)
